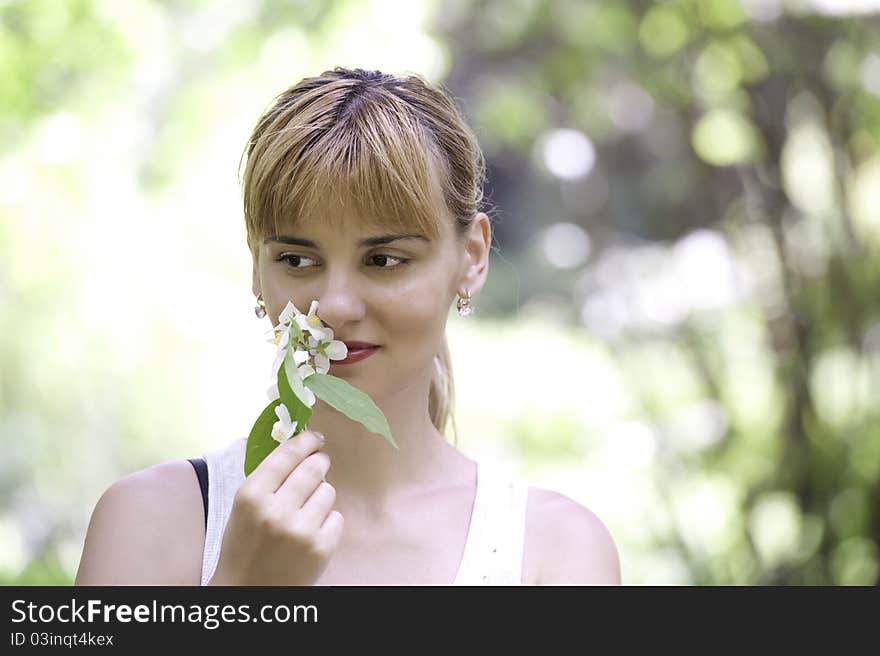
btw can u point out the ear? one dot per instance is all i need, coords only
(478, 244)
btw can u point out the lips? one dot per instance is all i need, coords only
(357, 351)
(357, 346)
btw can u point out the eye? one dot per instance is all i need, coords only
(382, 259)
(292, 259)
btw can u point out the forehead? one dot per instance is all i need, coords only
(337, 217)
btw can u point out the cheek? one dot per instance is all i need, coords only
(419, 308)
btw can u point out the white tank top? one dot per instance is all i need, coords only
(493, 551)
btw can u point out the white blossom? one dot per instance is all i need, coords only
(311, 343)
(313, 325)
(302, 392)
(282, 429)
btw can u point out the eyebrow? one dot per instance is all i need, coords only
(370, 241)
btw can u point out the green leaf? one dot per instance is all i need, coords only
(299, 411)
(260, 442)
(351, 402)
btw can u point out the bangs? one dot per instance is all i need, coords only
(375, 162)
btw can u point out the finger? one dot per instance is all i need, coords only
(302, 481)
(330, 533)
(277, 466)
(316, 508)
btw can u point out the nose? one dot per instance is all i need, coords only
(340, 301)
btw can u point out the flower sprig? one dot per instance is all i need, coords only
(310, 343)
(300, 376)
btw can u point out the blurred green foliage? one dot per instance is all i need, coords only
(765, 131)
(717, 160)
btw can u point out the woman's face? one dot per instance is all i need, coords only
(395, 295)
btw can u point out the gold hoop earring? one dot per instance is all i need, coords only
(260, 307)
(465, 309)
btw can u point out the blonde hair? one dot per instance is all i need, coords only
(395, 147)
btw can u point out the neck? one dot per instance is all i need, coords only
(370, 473)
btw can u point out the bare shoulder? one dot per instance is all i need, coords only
(147, 528)
(566, 543)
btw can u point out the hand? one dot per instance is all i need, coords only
(282, 529)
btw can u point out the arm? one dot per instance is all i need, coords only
(572, 545)
(146, 529)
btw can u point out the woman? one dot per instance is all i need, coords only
(362, 191)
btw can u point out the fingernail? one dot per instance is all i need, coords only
(320, 436)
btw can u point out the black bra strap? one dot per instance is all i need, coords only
(201, 468)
